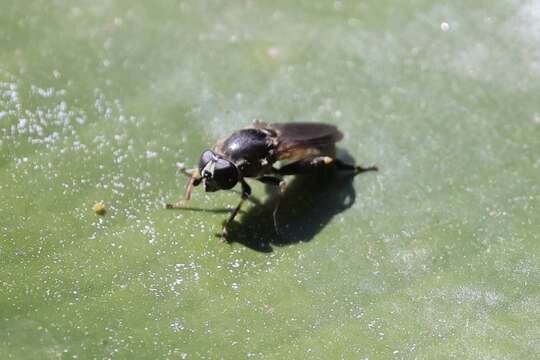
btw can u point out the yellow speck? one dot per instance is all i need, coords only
(100, 209)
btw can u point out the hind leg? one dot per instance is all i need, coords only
(306, 166)
(356, 168)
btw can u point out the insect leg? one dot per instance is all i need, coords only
(272, 180)
(282, 186)
(304, 166)
(181, 167)
(359, 169)
(193, 181)
(246, 192)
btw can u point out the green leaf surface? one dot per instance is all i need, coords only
(436, 256)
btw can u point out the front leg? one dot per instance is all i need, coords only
(246, 192)
(181, 167)
(194, 180)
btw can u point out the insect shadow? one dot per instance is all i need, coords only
(308, 204)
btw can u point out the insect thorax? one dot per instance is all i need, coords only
(250, 149)
(247, 144)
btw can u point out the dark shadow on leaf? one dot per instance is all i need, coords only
(307, 206)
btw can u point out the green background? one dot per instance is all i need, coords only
(436, 256)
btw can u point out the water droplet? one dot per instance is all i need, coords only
(445, 26)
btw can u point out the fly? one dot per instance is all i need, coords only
(254, 152)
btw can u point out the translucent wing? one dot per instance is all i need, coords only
(301, 140)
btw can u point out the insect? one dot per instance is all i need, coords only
(266, 152)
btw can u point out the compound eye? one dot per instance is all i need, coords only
(225, 174)
(205, 158)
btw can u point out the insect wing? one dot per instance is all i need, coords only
(300, 140)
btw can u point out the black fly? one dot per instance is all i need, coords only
(252, 152)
